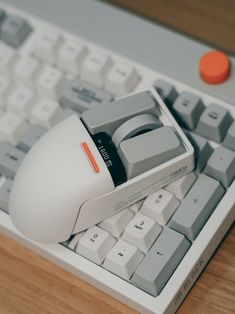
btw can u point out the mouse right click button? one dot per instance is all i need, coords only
(146, 151)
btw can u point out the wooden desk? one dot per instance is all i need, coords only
(29, 284)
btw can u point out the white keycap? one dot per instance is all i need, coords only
(95, 68)
(26, 70)
(49, 82)
(181, 186)
(2, 181)
(117, 223)
(70, 57)
(142, 231)
(20, 101)
(74, 242)
(95, 244)
(7, 58)
(123, 259)
(45, 113)
(12, 128)
(121, 79)
(136, 207)
(4, 90)
(160, 206)
(46, 45)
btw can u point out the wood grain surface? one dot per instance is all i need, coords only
(29, 284)
(211, 21)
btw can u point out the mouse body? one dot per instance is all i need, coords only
(54, 180)
(65, 185)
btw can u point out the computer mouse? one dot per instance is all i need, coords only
(74, 176)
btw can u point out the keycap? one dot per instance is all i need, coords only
(117, 223)
(146, 151)
(181, 186)
(197, 206)
(160, 262)
(15, 30)
(45, 113)
(167, 91)
(134, 126)
(81, 96)
(141, 232)
(108, 118)
(46, 45)
(136, 206)
(123, 259)
(160, 206)
(95, 244)
(95, 68)
(214, 123)
(20, 101)
(7, 58)
(221, 165)
(10, 159)
(70, 56)
(229, 140)
(2, 180)
(12, 128)
(74, 242)
(4, 90)
(30, 137)
(49, 82)
(5, 189)
(121, 79)
(2, 16)
(26, 70)
(188, 109)
(202, 149)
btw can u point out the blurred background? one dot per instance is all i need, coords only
(211, 21)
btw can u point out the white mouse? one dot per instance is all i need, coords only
(63, 185)
(52, 182)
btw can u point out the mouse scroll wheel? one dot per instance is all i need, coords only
(135, 126)
(110, 156)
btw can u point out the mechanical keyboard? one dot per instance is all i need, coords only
(54, 65)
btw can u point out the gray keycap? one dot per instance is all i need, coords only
(160, 262)
(221, 166)
(31, 136)
(10, 159)
(202, 148)
(4, 195)
(188, 109)
(81, 96)
(167, 91)
(14, 30)
(229, 140)
(197, 206)
(2, 16)
(214, 123)
(146, 151)
(109, 117)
